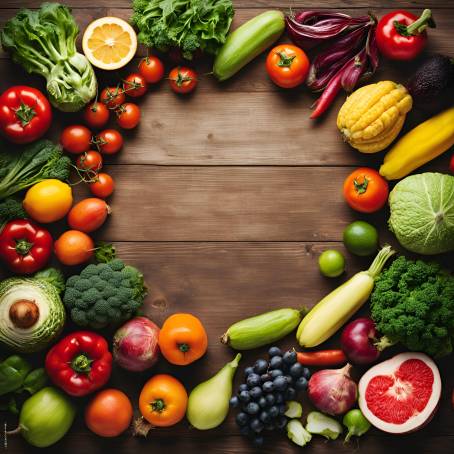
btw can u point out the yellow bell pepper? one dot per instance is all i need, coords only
(422, 144)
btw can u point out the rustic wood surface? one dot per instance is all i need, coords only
(225, 200)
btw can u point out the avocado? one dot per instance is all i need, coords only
(432, 85)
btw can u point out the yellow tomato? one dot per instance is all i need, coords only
(48, 201)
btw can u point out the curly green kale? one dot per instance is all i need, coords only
(189, 25)
(105, 294)
(39, 161)
(413, 303)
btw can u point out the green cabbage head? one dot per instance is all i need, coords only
(422, 213)
(44, 42)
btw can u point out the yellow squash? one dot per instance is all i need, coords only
(372, 116)
(422, 144)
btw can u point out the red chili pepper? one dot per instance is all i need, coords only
(328, 96)
(401, 35)
(25, 114)
(80, 363)
(24, 246)
(322, 358)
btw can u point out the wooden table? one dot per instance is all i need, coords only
(225, 199)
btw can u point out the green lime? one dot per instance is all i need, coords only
(331, 263)
(361, 238)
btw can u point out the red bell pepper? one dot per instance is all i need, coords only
(25, 114)
(24, 246)
(80, 363)
(401, 35)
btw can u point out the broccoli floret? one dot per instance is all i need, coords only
(413, 303)
(105, 294)
(10, 209)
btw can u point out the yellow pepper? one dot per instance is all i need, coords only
(422, 144)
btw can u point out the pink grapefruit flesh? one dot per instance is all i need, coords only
(400, 395)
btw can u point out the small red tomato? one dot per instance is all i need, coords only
(88, 214)
(128, 115)
(90, 160)
(287, 65)
(75, 139)
(365, 190)
(112, 97)
(109, 141)
(135, 85)
(103, 186)
(152, 69)
(182, 80)
(451, 164)
(96, 115)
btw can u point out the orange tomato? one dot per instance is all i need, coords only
(163, 401)
(183, 339)
(365, 190)
(88, 215)
(109, 413)
(287, 65)
(73, 247)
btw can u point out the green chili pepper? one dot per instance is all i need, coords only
(13, 371)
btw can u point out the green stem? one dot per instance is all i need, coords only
(23, 247)
(81, 364)
(285, 60)
(183, 348)
(384, 342)
(158, 405)
(234, 363)
(379, 262)
(418, 26)
(361, 188)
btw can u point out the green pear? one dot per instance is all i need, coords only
(208, 403)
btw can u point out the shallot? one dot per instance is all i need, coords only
(332, 391)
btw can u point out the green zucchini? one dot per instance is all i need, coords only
(262, 329)
(248, 41)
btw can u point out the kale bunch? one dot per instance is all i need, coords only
(190, 25)
(413, 303)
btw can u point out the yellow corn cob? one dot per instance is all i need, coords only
(422, 144)
(372, 116)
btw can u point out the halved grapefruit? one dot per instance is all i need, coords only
(401, 394)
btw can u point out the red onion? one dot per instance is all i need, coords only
(358, 341)
(332, 391)
(352, 54)
(135, 344)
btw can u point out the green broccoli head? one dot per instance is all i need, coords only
(413, 303)
(103, 295)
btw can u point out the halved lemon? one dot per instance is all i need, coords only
(109, 43)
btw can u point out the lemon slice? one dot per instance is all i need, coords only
(109, 43)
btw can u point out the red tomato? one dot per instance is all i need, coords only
(401, 35)
(109, 141)
(182, 80)
(25, 114)
(135, 85)
(96, 115)
(451, 164)
(365, 190)
(152, 69)
(88, 214)
(75, 139)
(90, 160)
(128, 115)
(112, 97)
(103, 186)
(287, 65)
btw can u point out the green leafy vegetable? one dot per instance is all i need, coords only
(104, 294)
(413, 303)
(13, 371)
(35, 381)
(189, 25)
(10, 209)
(52, 276)
(44, 42)
(38, 161)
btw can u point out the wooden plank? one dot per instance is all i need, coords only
(222, 283)
(230, 204)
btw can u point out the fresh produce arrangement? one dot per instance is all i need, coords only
(97, 299)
